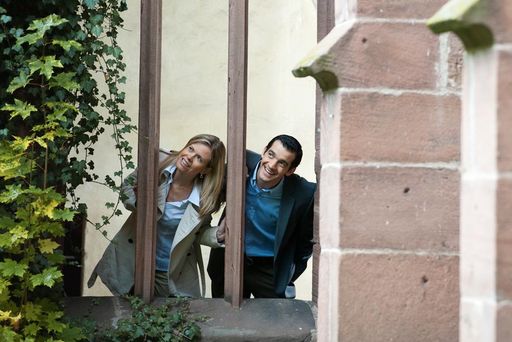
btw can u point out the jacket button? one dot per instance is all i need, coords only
(130, 240)
(189, 254)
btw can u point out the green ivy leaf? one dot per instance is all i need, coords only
(64, 80)
(18, 82)
(63, 215)
(60, 132)
(96, 30)
(9, 268)
(44, 65)
(30, 38)
(7, 334)
(55, 259)
(21, 144)
(46, 278)
(4, 19)
(33, 312)
(90, 3)
(53, 323)
(31, 329)
(12, 168)
(5, 240)
(97, 19)
(67, 44)
(18, 235)
(71, 334)
(43, 25)
(59, 109)
(53, 228)
(4, 285)
(20, 108)
(11, 193)
(44, 207)
(117, 52)
(47, 246)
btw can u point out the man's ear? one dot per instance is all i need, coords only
(290, 172)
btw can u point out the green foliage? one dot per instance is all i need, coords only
(168, 322)
(50, 54)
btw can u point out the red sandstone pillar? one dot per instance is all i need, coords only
(485, 27)
(389, 181)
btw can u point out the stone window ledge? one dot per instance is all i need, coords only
(257, 319)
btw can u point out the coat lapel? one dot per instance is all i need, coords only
(285, 210)
(162, 195)
(187, 223)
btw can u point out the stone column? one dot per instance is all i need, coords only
(485, 27)
(389, 181)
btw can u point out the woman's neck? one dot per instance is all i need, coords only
(181, 179)
(181, 187)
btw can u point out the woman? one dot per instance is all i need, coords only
(189, 192)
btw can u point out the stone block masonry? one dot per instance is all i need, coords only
(389, 156)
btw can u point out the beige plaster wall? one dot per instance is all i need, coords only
(194, 79)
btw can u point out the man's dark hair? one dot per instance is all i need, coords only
(291, 144)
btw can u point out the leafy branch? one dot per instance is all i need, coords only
(168, 322)
(48, 101)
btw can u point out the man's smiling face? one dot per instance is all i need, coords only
(275, 163)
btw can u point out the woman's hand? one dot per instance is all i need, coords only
(221, 231)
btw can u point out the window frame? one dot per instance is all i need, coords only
(148, 144)
(149, 139)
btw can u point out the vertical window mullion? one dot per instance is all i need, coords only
(237, 118)
(148, 146)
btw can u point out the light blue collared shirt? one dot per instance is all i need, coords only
(261, 216)
(168, 223)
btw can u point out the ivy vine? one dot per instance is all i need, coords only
(51, 54)
(170, 321)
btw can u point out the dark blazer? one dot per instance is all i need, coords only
(294, 236)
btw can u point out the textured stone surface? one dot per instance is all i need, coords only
(379, 55)
(257, 319)
(505, 111)
(401, 208)
(404, 128)
(504, 240)
(403, 9)
(477, 319)
(330, 203)
(400, 298)
(504, 322)
(500, 18)
(455, 62)
(329, 302)
(478, 238)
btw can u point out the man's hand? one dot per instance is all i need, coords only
(221, 231)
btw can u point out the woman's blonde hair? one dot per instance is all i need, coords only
(212, 181)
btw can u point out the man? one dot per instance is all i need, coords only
(278, 223)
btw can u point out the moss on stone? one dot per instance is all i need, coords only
(465, 18)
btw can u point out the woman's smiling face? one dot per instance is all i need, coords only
(194, 159)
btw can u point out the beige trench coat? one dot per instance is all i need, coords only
(117, 265)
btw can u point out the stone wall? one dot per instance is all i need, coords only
(485, 27)
(389, 152)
